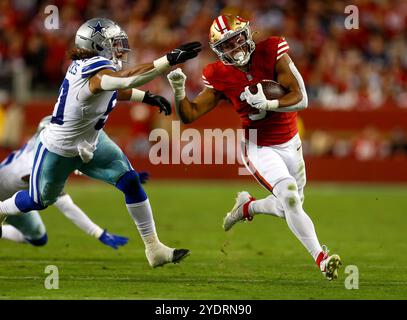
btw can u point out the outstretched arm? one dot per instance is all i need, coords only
(109, 80)
(188, 111)
(70, 210)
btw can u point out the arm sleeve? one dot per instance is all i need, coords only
(303, 104)
(116, 83)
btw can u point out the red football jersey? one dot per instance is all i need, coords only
(272, 127)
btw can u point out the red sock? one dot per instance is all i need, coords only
(320, 257)
(246, 213)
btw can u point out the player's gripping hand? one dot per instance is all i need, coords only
(143, 176)
(177, 81)
(184, 52)
(158, 101)
(113, 240)
(256, 100)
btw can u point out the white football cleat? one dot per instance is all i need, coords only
(329, 265)
(159, 255)
(237, 214)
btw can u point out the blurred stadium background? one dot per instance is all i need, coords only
(354, 129)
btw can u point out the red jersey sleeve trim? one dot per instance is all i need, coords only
(282, 48)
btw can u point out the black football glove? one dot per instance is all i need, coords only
(158, 101)
(184, 52)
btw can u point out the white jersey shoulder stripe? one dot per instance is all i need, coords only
(90, 66)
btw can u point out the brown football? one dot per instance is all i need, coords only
(272, 89)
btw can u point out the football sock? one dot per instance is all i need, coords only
(298, 221)
(18, 203)
(143, 217)
(9, 206)
(13, 234)
(269, 205)
(77, 216)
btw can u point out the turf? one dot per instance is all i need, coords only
(366, 225)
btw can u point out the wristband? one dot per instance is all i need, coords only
(161, 64)
(272, 105)
(137, 95)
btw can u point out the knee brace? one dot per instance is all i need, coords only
(39, 242)
(25, 203)
(130, 185)
(287, 192)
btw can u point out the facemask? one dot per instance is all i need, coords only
(239, 56)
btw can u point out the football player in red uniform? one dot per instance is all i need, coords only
(275, 159)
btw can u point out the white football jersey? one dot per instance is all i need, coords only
(76, 119)
(14, 167)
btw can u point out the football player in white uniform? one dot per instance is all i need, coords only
(15, 172)
(75, 140)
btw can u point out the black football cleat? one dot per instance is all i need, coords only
(179, 255)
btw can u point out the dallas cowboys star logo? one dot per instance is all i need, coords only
(96, 29)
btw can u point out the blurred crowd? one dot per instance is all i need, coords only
(368, 144)
(361, 68)
(343, 69)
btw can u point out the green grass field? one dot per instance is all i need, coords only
(366, 225)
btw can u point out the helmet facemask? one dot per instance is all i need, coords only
(235, 48)
(118, 48)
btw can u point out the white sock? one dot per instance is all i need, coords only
(298, 221)
(66, 205)
(9, 207)
(9, 232)
(269, 205)
(143, 217)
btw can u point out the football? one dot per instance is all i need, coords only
(272, 89)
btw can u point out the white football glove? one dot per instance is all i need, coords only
(258, 100)
(177, 81)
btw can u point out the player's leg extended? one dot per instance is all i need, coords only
(109, 164)
(47, 180)
(291, 193)
(26, 228)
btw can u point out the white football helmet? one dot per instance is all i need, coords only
(104, 37)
